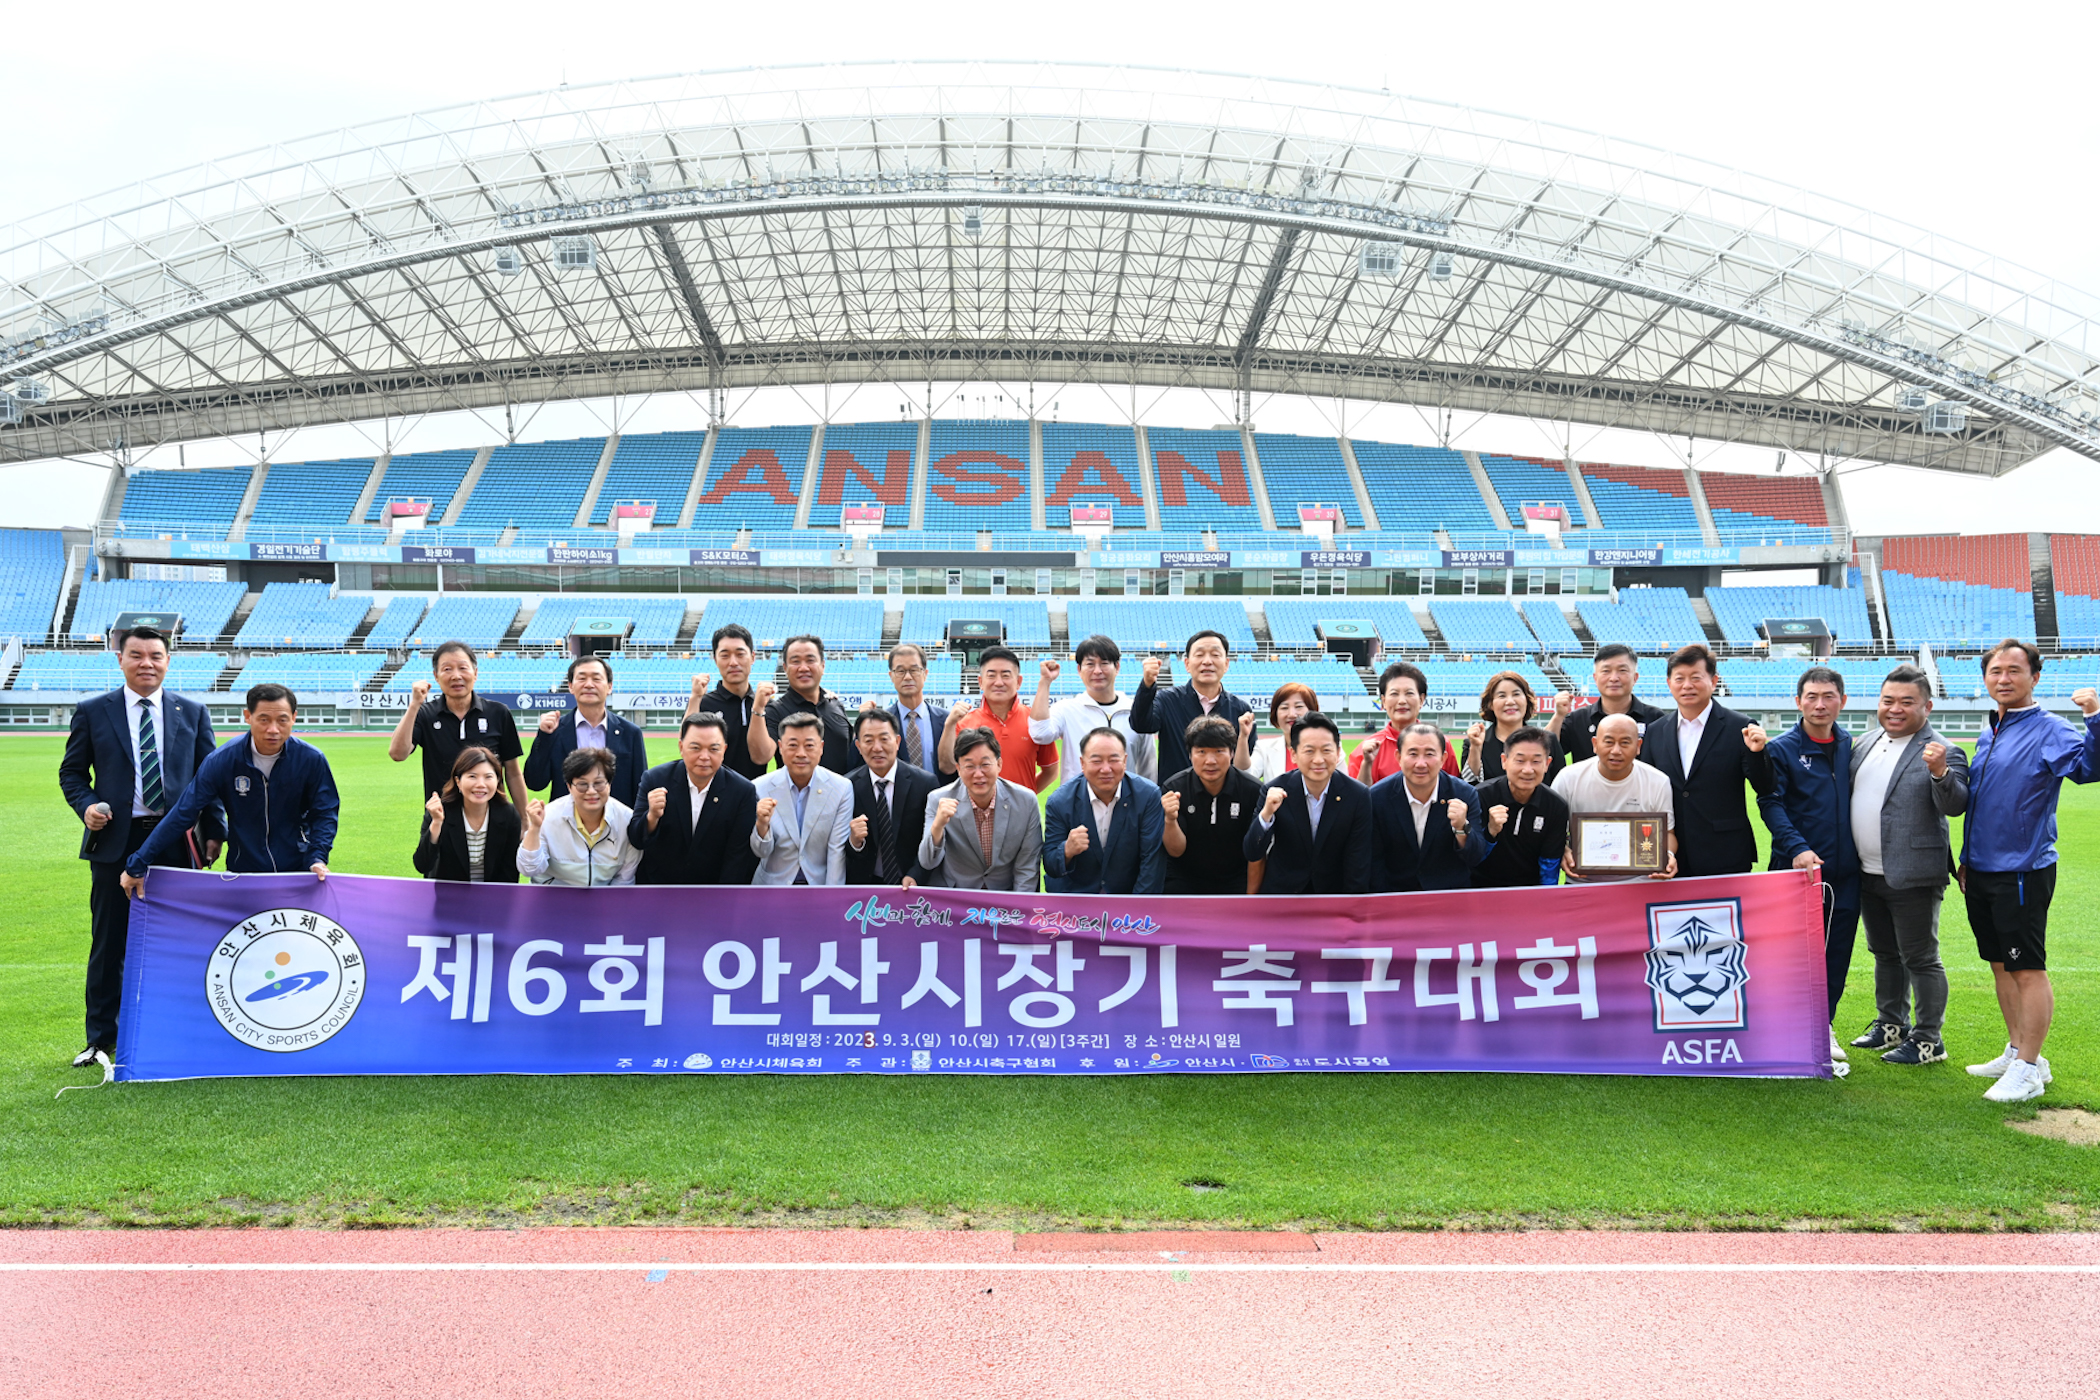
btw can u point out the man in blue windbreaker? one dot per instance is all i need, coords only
(278, 793)
(2008, 854)
(1809, 813)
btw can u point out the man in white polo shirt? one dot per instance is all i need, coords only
(1070, 720)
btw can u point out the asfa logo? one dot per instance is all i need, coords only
(1696, 965)
(1268, 1062)
(285, 980)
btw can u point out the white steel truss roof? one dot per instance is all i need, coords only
(1020, 221)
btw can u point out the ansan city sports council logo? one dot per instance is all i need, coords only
(285, 980)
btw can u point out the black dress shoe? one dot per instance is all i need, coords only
(87, 1056)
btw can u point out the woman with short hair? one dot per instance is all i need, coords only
(580, 839)
(470, 832)
(1272, 757)
(1507, 704)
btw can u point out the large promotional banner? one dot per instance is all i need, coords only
(283, 974)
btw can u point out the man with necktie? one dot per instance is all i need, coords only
(889, 806)
(128, 758)
(919, 720)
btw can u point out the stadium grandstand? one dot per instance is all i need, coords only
(675, 242)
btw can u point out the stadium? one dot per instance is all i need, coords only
(1023, 353)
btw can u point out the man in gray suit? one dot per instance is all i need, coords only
(805, 813)
(1906, 782)
(998, 841)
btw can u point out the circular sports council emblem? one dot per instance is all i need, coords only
(285, 980)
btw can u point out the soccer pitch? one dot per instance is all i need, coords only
(1887, 1148)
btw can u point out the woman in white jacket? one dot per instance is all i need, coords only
(581, 839)
(1272, 758)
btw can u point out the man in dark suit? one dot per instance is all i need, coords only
(1426, 827)
(694, 819)
(1101, 831)
(589, 726)
(1708, 752)
(920, 722)
(1314, 830)
(889, 807)
(128, 758)
(1168, 712)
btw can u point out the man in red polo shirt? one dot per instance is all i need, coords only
(1401, 690)
(1021, 759)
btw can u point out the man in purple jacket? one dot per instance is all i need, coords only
(2008, 854)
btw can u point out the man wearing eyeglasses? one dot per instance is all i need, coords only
(919, 720)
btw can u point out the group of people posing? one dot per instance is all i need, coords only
(1164, 790)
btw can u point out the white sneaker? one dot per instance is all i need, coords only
(1837, 1051)
(2021, 1082)
(1995, 1069)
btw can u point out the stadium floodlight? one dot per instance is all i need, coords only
(639, 172)
(973, 220)
(575, 252)
(1946, 418)
(31, 391)
(1380, 259)
(1910, 398)
(509, 262)
(1440, 267)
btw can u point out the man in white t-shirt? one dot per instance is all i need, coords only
(1614, 782)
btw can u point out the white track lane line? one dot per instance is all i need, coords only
(845, 1267)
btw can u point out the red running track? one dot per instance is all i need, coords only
(819, 1315)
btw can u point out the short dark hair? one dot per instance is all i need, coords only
(1818, 675)
(1093, 734)
(1611, 651)
(789, 645)
(1195, 637)
(581, 761)
(1694, 654)
(2034, 658)
(470, 758)
(594, 659)
(445, 648)
(1397, 670)
(731, 631)
(144, 634)
(991, 654)
(800, 719)
(1210, 732)
(1910, 675)
(703, 719)
(970, 740)
(861, 719)
(269, 690)
(1314, 720)
(1423, 726)
(1098, 646)
(913, 647)
(1529, 734)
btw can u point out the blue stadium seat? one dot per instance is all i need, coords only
(478, 619)
(1462, 680)
(497, 674)
(189, 672)
(976, 475)
(1520, 479)
(1741, 607)
(1293, 622)
(754, 479)
(1027, 619)
(1421, 488)
(656, 620)
(1333, 679)
(309, 493)
(1642, 500)
(538, 484)
(322, 674)
(205, 608)
(871, 464)
(1203, 481)
(32, 566)
(1943, 613)
(1657, 618)
(1092, 464)
(1305, 471)
(1159, 624)
(845, 624)
(303, 615)
(1550, 625)
(655, 467)
(429, 476)
(1481, 624)
(396, 624)
(200, 503)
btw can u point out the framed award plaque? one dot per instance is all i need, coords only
(1619, 843)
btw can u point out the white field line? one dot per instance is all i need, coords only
(1046, 1267)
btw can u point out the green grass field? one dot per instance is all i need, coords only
(1885, 1149)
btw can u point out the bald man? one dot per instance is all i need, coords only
(1615, 781)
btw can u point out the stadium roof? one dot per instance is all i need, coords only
(1011, 221)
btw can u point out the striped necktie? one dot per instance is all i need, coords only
(914, 746)
(879, 828)
(151, 786)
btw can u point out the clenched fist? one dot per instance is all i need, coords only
(657, 798)
(1455, 813)
(1170, 803)
(550, 721)
(435, 807)
(1246, 726)
(535, 815)
(418, 693)
(1498, 817)
(1051, 668)
(1754, 738)
(1475, 733)
(1075, 842)
(2086, 700)
(860, 832)
(766, 808)
(1271, 803)
(701, 685)
(1563, 703)
(1935, 757)
(945, 813)
(764, 694)
(1154, 666)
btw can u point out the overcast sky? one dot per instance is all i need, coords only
(1973, 122)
